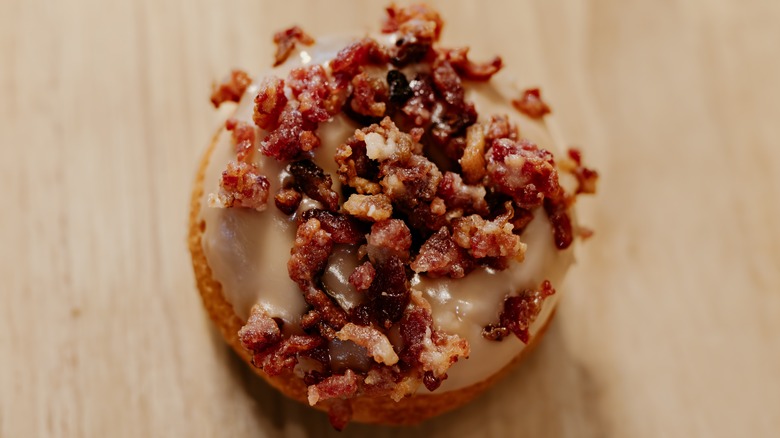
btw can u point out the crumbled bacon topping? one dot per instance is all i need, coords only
(376, 343)
(269, 103)
(524, 171)
(519, 312)
(586, 177)
(363, 276)
(231, 89)
(440, 256)
(338, 386)
(241, 185)
(287, 200)
(313, 182)
(459, 58)
(531, 104)
(244, 136)
(428, 187)
(369, 207)
(286, 40)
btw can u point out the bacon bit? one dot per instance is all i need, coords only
(459, 58)
(349, 61)
(411, 183)
(472, 162)
(309, 254)
(287, 200)
(355, 168)
(519, 312)
(338, 386)
(260, 332)
(310, 86)
(244, 136)
(291, 137)
(457, 195)
(283, 355)
(500, 127)
(241, 185)
(417, 28)
(314, 183)
(377, 344)
(419, 108)
(339, 414)
(286, 40)
(342, 228)
(531, 104)
(231, 89)
(434, 352)
(369, 95)
(269, 103)
(586, 178)
(363, 276)
(389, 238)
(524, 171)
(440, 256)
(389, 292)
(369, 207)
(457, 114)
(484, 238)
(563, 233)
(398, 15)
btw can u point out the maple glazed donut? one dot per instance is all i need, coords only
(380, 225)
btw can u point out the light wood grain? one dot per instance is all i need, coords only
(671, 319)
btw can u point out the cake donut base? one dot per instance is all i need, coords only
(376, 410)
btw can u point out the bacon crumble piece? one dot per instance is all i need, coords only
(433, 351)
(369, 95)
(342, 386)
(241, 185)
(463, 197)
(419, 107)
(500, 127)
(374, 341)
(440, 256)
(417, 28)
(284, 355)
(459, 58)
(472, 162)
(310, 179)
(456, 114)
(260, 332)
(310, 252)
(388, 294)
(342, 228)
(311, 87)
(483, 238)
(557, 212)
(244, 136)
(524, 171)
(586, 177)
(286, 40)
(389, 238)
(518, 313)
(362, 277)
(231, 89)
(291, 138)
(350, 60)
(355, 169)
(369, 207)
(531, 104)
(287, 200)
(269, 103)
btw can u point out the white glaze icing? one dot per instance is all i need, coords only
(248, 251)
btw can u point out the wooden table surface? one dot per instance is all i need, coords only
(670, 322)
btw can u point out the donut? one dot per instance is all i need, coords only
(380, 224)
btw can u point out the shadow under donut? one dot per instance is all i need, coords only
(549, 394)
